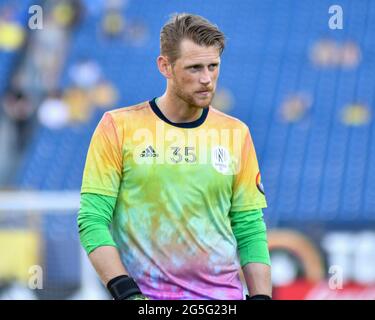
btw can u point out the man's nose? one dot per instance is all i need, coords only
(205, 77)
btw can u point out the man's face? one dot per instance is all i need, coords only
(194, 74)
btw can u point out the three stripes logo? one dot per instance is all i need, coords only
(149, 152)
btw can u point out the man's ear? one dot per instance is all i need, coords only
(164, 66)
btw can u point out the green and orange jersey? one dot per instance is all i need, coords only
(175, 186)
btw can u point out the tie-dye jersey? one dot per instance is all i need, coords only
(175, 186)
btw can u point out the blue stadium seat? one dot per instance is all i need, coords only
(316, 169)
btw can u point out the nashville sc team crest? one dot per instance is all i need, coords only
(259, 183)
(220, 159)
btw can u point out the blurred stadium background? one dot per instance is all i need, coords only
(306, 91)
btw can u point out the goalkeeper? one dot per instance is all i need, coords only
(171, 198)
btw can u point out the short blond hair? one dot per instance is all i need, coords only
(192, 27)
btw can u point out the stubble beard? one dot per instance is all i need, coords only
(191, 100)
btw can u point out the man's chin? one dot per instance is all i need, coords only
(203, 103)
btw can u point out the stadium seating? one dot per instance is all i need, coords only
(316, 169)
(16, 12)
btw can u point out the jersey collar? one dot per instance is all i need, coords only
(193, 124)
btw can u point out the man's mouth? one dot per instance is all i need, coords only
(204, 92)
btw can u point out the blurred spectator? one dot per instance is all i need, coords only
(67, 13)
(53, 112)
(328, 53)
(356, 115)
(113, 24)
(78, 103)
(19, 108)
(39, 70)
(89, 90)
(85, 74)
(104, 95)
(295, 107)
(350, 55)
(12, 34)
(324, 53)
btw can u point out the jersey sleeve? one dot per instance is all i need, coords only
(103, 168)
(250, 232)
(94, 218)
(248, 193)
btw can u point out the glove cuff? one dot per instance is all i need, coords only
(258, 297)
(122, 287)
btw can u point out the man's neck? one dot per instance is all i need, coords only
(177, 110)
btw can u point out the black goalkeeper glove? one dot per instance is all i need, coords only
(258, 297)
(125, 288)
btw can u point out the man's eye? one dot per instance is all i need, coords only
(195, 68)
(212, 66)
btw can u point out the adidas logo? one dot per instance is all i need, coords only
(149, 152)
